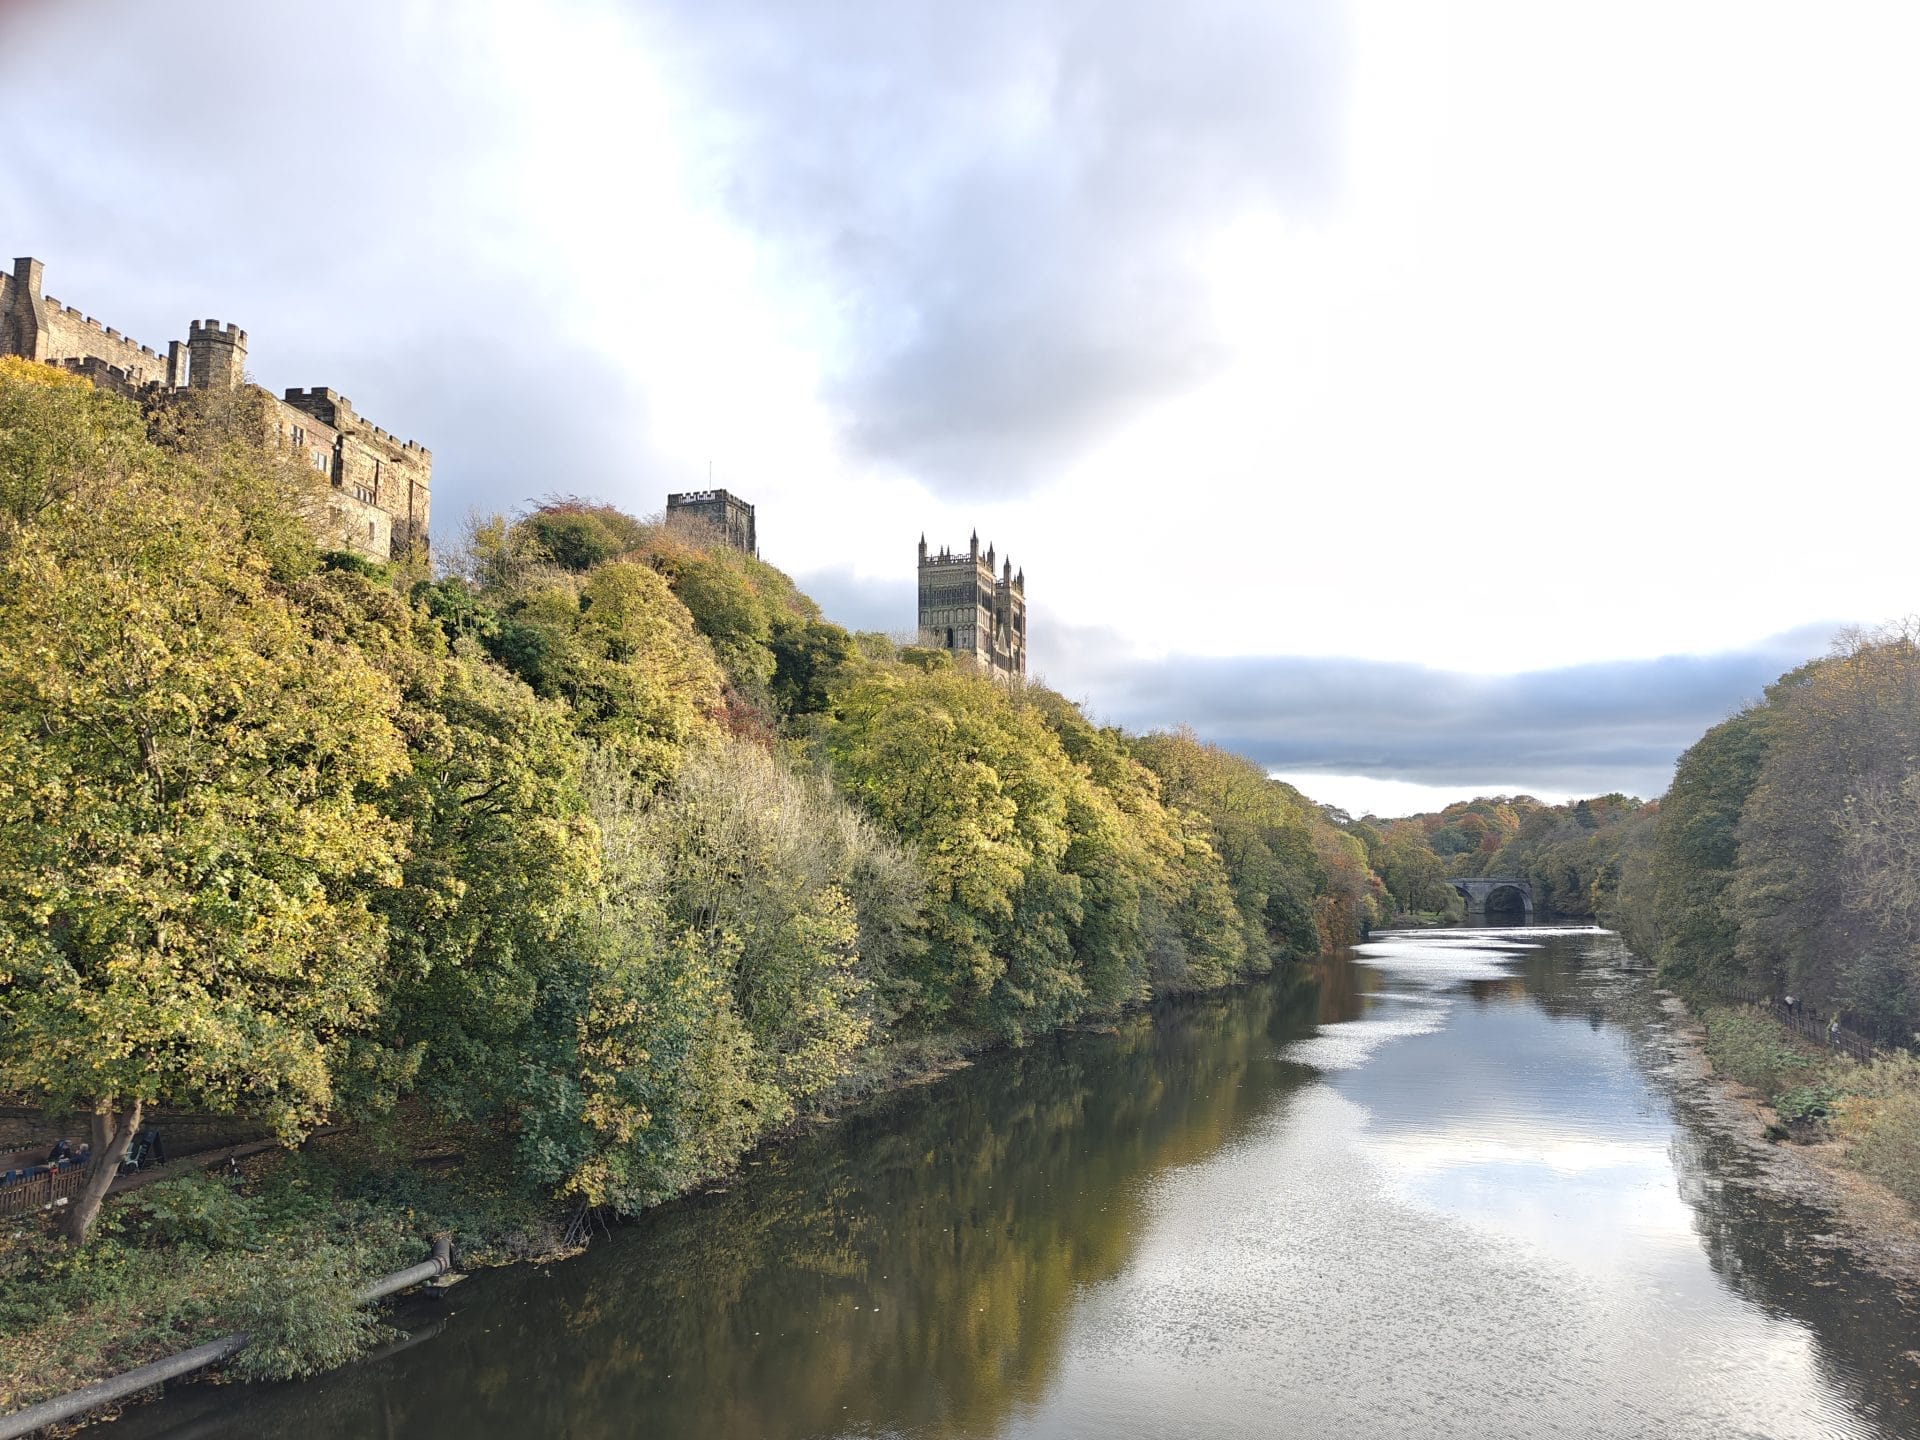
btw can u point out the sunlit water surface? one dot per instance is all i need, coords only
(1440, 1187)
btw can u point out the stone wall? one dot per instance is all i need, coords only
(73, 336)
(372, 466)
(726, 515)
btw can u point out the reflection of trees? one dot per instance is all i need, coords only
(1764, 1246)
(912, 1268)
(1341, 986)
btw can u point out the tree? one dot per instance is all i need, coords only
(618, 648)
(186, 838)
(56, 433)
(578, 534)
(502, 854)
(979, 787)
(1842, 734)
(1696, 850)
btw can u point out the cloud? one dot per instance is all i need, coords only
(860, 603)
(350, 193)
(1006, 206)
(1582, 729)
(1575, 729)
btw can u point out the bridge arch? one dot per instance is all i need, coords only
(1495, 895)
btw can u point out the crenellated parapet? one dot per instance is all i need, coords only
(718, 514)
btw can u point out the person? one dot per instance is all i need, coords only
(60, 1151)
(1833, 1031)
(1791, 1004)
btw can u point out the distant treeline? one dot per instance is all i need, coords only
(1572, 854)
(1784, 859)
(598, 833)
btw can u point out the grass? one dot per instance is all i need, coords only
(1879, 1117)
(1752, 1048)
(1873, 1108)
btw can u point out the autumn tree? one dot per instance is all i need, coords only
(186, 838)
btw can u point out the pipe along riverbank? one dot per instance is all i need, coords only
(63, 1409)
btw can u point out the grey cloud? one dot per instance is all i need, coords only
(1587, 729)
(1005, 200)
(1003, 204)
(884, 605)
(1584, 729)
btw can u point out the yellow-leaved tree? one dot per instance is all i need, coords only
(187, 833)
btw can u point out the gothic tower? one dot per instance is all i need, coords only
(966, 609)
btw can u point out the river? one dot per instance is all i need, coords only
(1444, 1186)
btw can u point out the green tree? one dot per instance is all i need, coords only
(1839, 733)
(623, 653)
(1696, 850)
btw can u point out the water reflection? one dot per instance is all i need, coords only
(1436, 1188)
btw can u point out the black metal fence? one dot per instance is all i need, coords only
(1821, 1029)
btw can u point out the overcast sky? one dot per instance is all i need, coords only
(1427, 399)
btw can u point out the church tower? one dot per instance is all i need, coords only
(966, 609)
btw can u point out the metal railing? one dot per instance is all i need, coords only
(1822, 1030)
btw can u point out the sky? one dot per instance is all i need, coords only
(1426, 399)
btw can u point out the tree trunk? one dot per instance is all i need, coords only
(109, 1140)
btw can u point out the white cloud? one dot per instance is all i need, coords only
(1492, 337)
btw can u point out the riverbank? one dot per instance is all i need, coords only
(277, 1245)
(1813, 1160)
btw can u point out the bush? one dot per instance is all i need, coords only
(297, 1308)
(1805, 1104)
(1758, 1053)
(1881, 1116)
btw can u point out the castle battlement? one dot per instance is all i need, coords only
(213, 330)
(726, 515)
(947, 560)
(318, 392)
(106, 330)
(381, 485)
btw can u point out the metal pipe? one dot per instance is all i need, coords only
(119, 1387)
(76, 1403)
(400, 1279)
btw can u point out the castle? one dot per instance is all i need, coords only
(379, 487)
(966, 609)
(726, 515)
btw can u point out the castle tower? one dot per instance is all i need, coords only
(23, 326)
(217, 357)
(1010, 620)
(968, 610)
(720, 514)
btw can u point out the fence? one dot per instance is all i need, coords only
(1803, 1022)
(37, 1192)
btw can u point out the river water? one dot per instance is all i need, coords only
(1444, 1186)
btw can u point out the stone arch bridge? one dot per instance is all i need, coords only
(1495, 895)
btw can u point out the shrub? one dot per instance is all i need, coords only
(297, 1308)
(1881, 1116)
(1807, 1103)
(1754, 1050)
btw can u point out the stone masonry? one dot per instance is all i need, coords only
(725, 515)
(379, 487)
(967, 609)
